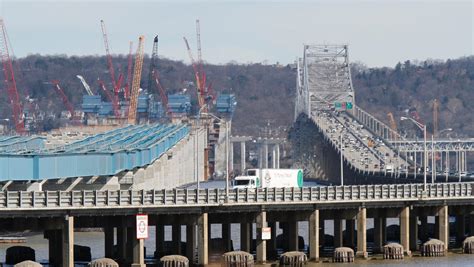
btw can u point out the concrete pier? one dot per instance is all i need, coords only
(444, 225)
(405, 230)
(261, 222)
(338, 236)
(68, 242)
(379, 242)
(314, 236)
(362, 233)
(203, 233)
(245, 236)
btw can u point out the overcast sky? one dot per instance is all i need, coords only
(379, 33)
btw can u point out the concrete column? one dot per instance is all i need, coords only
(322, 233)
(405, 229)
(160, 239)
(242, 156)
(460, 229)
(265, 155)
(231, 156)
(54, 246)
(350, 233)
(203, 245)
(444, 225)
(108, 241)
(245, 236)
(471, 225)
(226, 230)
(314, 236)
(273, 242)
(338, 238)
(277, 156)
(293, 235)
(190, 242)
(378, 234)
(261, 222)
(122, 240)
(362, 233)
(138, 249)
(274, 156)
(413, 232)
(176, 237)
(68, 242)
(424, 232)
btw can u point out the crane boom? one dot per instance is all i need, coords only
(63, 96)
(9, 78)
(111, 98)
(196, 74)
(137, 73)
(128, 84)
(86, 86)
(109, 57)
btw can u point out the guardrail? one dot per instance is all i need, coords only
(182, 197)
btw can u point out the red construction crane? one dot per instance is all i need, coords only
(111, 98)
(154, 77)
(162, 92)
(197, 75)
(9, 78)
(128, 84)
(63, 96)
(115, 84)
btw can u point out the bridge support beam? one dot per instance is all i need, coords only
(379, 228)
(261, 222)
(159, 240)
(245, 236)
(413, 232)
(460, 229)
(314, 236)
(362, 233)
(190, 242)
(226, 230)
(405, 230)
(471, 225)
(293, 235)
(176, 237)
(68, 242)
(108, 240)
(350, 233)
(203, 240)
(444, 225)
(338, 236)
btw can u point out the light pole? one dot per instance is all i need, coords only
(224, 122)
(425, 160)
(342, 160)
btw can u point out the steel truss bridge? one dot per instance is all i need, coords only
(326, 95)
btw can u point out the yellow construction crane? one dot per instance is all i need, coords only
(137, 76)
(393, 124)
(435, 117)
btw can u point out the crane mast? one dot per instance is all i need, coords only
(393, 124)
(9, 78)
(86, 86)
(137, 73)
(153, 59)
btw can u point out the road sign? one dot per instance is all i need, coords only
(142, 226)
(343, 105)
(266, 233)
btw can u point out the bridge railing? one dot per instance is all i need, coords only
(190, 197)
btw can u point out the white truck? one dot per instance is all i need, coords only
(267, 178)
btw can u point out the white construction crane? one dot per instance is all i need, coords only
(86, 86)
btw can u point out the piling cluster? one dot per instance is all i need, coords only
(343, 254)
(293, 259)
(174, 261)
(393, 251)
(238, 259)
(433, 248)
(468, 245)
(103, 262)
